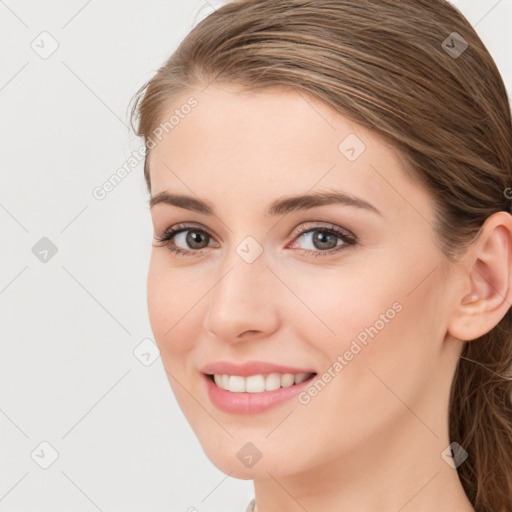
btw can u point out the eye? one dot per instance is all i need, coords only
(190, 238)
(323, 240)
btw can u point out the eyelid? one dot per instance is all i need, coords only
(180, 227)
(310, 225)
(298, 230)
(347, 237)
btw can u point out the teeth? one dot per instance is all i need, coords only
(258, 383)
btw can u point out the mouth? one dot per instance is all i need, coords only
(256, 393)
(258, 383)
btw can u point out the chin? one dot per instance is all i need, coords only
(246, 460)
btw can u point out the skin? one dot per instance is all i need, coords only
(372, 438)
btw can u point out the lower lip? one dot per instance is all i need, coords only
(251, 403)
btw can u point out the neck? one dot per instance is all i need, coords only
(403, 472)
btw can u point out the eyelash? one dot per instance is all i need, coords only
(166, 237)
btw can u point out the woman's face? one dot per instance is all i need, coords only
(353, 290)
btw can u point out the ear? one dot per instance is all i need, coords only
(485, 292)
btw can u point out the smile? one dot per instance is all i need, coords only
(259, 383)
(253, 394)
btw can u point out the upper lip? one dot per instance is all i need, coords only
(250, 368)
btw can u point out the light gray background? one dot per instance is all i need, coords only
(70, 325)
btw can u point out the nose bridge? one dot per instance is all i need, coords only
(243, 297)
(245, 281)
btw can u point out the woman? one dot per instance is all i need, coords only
(330, 283)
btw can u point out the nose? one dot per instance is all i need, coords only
(243, 303)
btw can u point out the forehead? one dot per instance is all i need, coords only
(242, 146)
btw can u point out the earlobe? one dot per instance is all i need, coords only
(486, 287)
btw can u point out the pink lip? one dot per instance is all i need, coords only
(250, 368)
(251, 403)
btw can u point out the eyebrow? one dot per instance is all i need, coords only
(278, 207)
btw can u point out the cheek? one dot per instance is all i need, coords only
(383, 317)
(379, 359)
(337, 302)
(388, 339)
(170, 299)
(174, 322)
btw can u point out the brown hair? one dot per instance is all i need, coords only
(398, 68)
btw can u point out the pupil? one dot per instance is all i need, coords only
(193, 237)
(321, 239)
